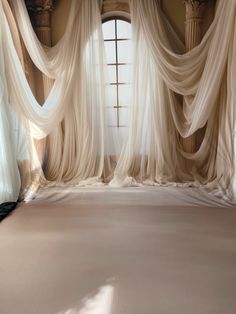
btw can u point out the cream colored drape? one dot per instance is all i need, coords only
(77, 98)
(205, 76)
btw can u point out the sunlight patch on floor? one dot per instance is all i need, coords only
(101, 303)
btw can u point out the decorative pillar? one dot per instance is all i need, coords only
(194, 22)
(40, 12)
(194, 31)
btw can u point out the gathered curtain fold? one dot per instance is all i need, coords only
(10, 181)
(205, 77)
(75, 105)
(198, 72)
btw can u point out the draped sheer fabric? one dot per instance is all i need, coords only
(73, 113)
(9, 174)
(74, 109)
(205, 77)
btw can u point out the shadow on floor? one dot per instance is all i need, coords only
(6, 209)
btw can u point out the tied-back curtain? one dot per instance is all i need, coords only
(205, 77)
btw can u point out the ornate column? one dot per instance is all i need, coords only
(194, 31)
(40, 12)
(194, 22)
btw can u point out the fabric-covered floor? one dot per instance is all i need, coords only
(118, 251)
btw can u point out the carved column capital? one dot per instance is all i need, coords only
(196, 3)
(40, 12)
(195, 8)
(40, 5)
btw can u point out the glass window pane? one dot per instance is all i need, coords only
(123, 134)
(112, 73)
(124, 51)
(111, 95)
(123, 29)
(124, 95)
(111, 116)
(124, 72)
(124, 116)
(108, 29)
(116, 139)
(110, 51)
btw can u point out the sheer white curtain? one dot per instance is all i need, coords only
(9, 173)
(204, 76)
(77, 98)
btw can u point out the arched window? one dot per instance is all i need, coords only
(118, 51)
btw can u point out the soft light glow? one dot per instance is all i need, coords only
(101, 303)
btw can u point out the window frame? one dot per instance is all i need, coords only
(117, 64)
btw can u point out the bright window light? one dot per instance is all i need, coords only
(118, 51)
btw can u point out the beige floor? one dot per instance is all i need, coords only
(125, 251)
